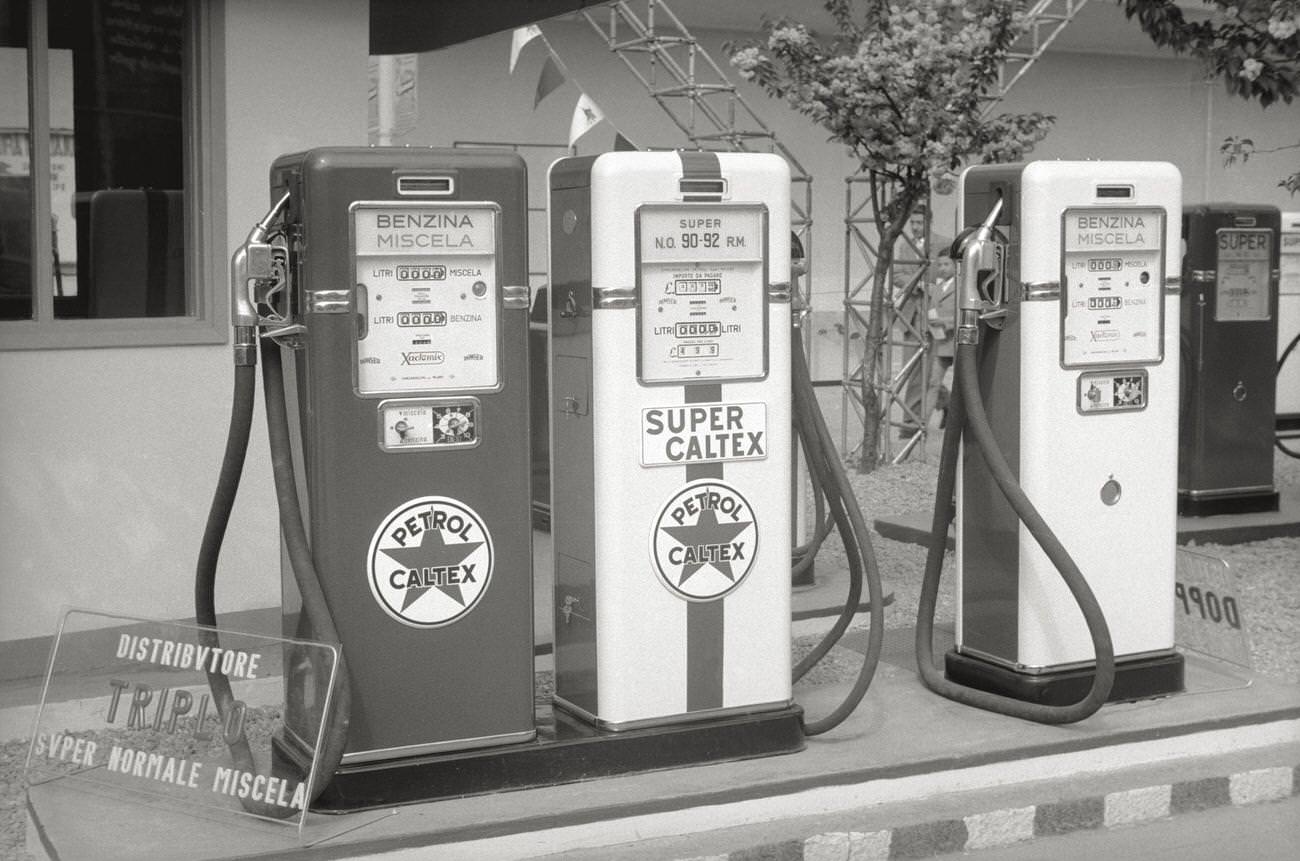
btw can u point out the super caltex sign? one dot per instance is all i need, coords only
(703, 433)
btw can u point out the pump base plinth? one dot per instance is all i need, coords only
(1135, 679)
(1190, 505)
(566, 750)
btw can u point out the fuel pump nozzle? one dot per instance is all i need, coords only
(253, 263)
(980, 293)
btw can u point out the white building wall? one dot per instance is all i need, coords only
(108, 457)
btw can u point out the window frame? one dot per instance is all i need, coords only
(205, 209)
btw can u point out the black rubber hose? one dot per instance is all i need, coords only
(817, 465)
(205, 578)
(241, 419)
(803, 556)
(1286, 354)
(1277, 371)
(805, 425)
(334, 734)
(966, 413)
(843, 505)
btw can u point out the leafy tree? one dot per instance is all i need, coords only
(1237, 147)
(904, 84)
(1253, 45)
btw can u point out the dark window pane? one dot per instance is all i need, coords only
(15, 167)
(118, 166)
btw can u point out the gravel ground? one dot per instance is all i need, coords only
(1267, 579)
(1267, 573)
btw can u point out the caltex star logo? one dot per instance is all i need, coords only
(704, 541)
(430, 561)
(708, 542)
(434, 555)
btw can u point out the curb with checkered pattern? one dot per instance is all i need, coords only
(1019, 824)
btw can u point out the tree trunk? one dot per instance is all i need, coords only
(871, 345)
(891, 219)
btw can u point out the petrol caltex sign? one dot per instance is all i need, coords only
(430, 561)
(704, 541)
(703, 433)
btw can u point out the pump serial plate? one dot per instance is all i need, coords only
(429, 423)
(1113, 391)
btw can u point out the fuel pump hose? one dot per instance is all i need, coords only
(967, 415)
(316, 610)
(824, 462)
(205, 613)
(1281, 361)
(316, 618)
(335, 735)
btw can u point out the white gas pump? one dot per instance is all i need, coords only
(670, 345)
(672, 381)
(1068, 380)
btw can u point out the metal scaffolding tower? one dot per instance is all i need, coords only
(902, 373)
(903, 367)
(695, 93)
(1047, 18)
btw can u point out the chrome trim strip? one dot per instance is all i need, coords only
(381, 754)
(778, 292)
(1041, 291)
(1173, 285)
(1229, 491)
(614, 297)
(1204, 276)
(514, 296)
(329, 301)
(425, 185)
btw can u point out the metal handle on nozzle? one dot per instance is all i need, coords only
(978, 290)
(252, 262)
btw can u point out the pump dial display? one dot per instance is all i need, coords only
(1243, 276)
(1112, 283)
(428, 296)
(701, 273)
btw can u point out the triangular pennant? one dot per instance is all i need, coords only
(547, 82)
(586, 114)
(520, 37)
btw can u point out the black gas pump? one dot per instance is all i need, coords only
(1229, 334)
(389, 282)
